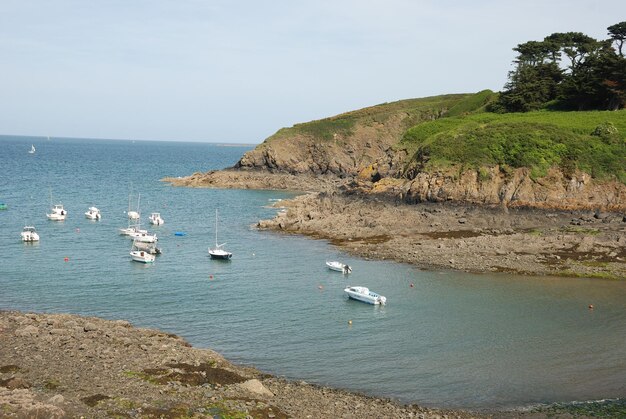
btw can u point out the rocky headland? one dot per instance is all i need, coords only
(367, 189)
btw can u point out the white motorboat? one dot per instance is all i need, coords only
(32, 149)
(58, 213)
(217, 252)
(363, 294)
(132, 229)
(93, 213)
(339, 267)
(141, 255)
(155, 219)
(148, 247)
(29, 234)
(143, 236)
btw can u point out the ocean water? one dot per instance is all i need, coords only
(450, 340)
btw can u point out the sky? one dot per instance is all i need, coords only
(236, 71)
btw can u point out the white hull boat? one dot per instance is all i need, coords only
(155, 219)
(133, 215)
(93, 213)
(29, 234)
(217, 252)
(58, 213)
(139, 255)
(148, 247)
(32, 149)
(339, 267)
(143, 237)
(131, 230)
(364, 295)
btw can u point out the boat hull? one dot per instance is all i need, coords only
(364, 295)
(339, 267)
(220, 254)
(142, 256)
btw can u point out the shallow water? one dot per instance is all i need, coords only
(452, 339)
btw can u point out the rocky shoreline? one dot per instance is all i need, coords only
(62, 365)
(440, 235)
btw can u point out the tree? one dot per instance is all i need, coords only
(618, 35)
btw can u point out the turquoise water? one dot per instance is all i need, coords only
(451, 340)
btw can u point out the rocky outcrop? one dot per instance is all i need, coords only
(515, 188)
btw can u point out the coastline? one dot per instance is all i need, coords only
(447, 235)
(63, 365)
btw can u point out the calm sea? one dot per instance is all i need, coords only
(451, 340)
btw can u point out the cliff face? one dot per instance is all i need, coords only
(346, 154)
(364, 149)
(512, 189)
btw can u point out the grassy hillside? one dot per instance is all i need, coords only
(594, 142)
(343, 124)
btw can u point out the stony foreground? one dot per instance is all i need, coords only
(61, 365)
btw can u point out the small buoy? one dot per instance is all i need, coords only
(320, 287)
(66, 259)
(350, 322)
(590, 306)
(179, 233)
(210, 276)
(253, 254)
(78, 230)
(411, 285)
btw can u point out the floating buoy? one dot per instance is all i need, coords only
(350, 322)
(78, 230)
(320, 287)
(411, 285)
(180, 233)
(590, 306)
(66, 259)
(210, 276)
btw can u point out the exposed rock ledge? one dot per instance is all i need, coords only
(462, 224)
(60, 365)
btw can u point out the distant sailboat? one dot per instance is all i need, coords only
(32, 149)
(217, 252)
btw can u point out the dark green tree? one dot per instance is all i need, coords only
(618, 35)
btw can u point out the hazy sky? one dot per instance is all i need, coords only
(237, 71)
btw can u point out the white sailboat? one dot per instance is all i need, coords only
(32, 149)
(217, 252)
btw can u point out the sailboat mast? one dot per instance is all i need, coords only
(216, 227)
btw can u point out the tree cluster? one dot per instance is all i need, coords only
(570, 71)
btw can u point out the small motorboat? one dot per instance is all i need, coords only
(364, 295)
(93, 213)
(58, 213)
(139, 255)
(339, 267)
(144, 237)
(155, 219)
(132, 229)
(29, 234)
(148, 247)
(217, 252)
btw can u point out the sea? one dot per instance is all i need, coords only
(445, 339)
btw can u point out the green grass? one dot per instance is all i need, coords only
(537, 140)
(343, 124)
